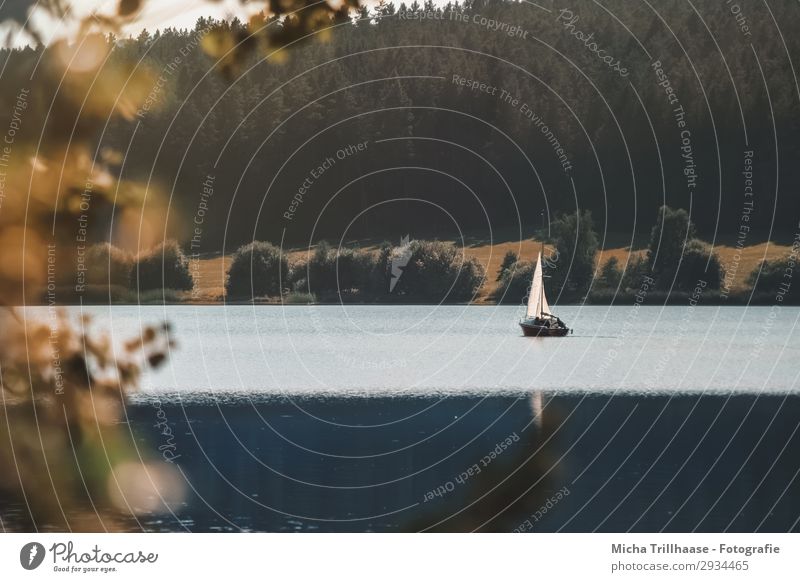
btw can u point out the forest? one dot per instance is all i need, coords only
(483, 116)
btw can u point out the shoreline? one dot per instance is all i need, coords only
(620, 300)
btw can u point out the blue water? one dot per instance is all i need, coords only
(392, 418)
(629, 463)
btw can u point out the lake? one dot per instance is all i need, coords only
(424, 350)
(444, 418)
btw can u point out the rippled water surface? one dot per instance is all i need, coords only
(431, 349)
(408, 418)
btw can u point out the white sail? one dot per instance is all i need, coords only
(545, 305)
(537, 302)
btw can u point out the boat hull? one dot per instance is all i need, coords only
(533, 330)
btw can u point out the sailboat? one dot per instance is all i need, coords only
(539, 322)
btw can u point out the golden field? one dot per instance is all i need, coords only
(209, 273)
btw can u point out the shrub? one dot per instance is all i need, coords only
(516, 283)
(351, 270)
(297, 298)
(699, 263)
(108, 265)
(320, 270)
(610, 274)
(767, 278)
(380, 275)
(256, 270)
(437, 271)
(509, 260)
(470, 279)
(164, 267)
(333, 273)
(424, 271)
(633, 274)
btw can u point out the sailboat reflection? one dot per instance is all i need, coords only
(512, 485)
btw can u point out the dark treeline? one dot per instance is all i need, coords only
(430, 120)
(676, 267)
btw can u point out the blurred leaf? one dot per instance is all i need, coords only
(128, 8)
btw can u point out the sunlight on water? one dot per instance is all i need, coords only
(401, 350)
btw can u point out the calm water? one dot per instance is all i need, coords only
(375, 418)
(393, 350)
(628, 463)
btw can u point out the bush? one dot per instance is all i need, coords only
(164, 267)
(470, 279)
(256, 270)
(330, 273)
(424, 271)
(320, 270)
(509, 260)
(699, 263)
(437, 271)
(769, 276)
(515, 283)
(296, 298)
(634, 273)
(351, 270)
(380, 276)
(610, 274)
(108, 266)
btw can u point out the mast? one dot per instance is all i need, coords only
(537, 298)
(541, 257)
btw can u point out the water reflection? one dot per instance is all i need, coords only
(544, 462)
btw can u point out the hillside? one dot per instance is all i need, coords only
(210, 272)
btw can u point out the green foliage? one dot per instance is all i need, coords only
(515, 283)
(108, 266)
(197, 101)
(319, 271)
(298, 298)
(634, 272)
(699, 263)
(438, 271)
(676, 259)
(381, 275)
(428, 271)
(335, 273)
(576, 246)
(64, 394)
(610, 274)
(668, 238)
(164, 267)
(777, 275)
(508, 261)
(256, 270)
